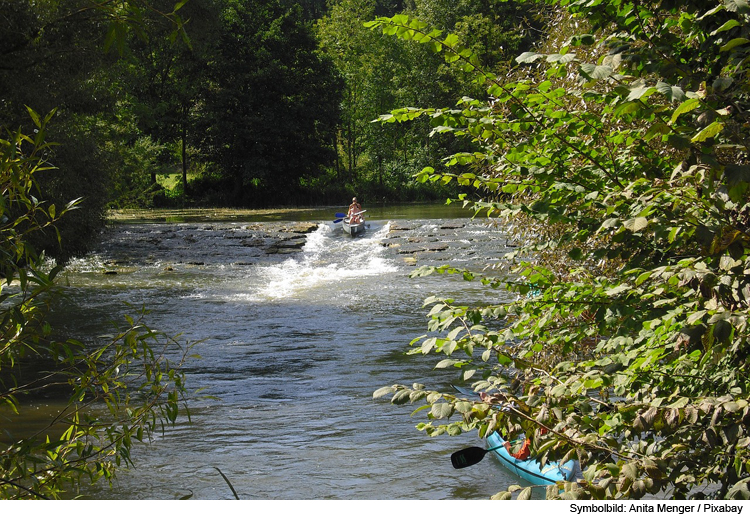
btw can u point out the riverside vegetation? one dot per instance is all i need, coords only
(615, 146)
(617, 150)
(108, 395)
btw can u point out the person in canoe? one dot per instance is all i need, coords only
(521, 454)
(525, 451)
(354, 215)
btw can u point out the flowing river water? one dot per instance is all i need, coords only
(296, 332)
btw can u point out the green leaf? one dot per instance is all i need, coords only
(34, 117)
(640, 92)
(446, 363)
(642, 278)
(737, 6)
(401, 397)
(560, 58)
(679, 404)
(740, 41)
(528, 57)
(441, 410)
(595, 71)
(630, 470)
(635, 224)
(383, 391)
(428, 345)
(710, 131)
(525, 494)
(695, 317)
(673, 93)
(657, 129)
(617, 290)
(684, 108)
(726, 26)
(503, 495)
(626, 107)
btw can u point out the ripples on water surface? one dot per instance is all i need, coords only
(293, 347)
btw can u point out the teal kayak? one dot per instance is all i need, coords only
(529, 469)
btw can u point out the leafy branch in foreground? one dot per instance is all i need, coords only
(617, 154)
(107, 396)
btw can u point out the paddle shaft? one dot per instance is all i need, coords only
(341, 216)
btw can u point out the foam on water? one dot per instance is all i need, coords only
(329, 258)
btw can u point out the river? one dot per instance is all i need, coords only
(292, 344)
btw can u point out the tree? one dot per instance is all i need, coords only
(618, 153)
(167, 84)
(52, 57)
(116, 393)
(113, 394)
(272, 104)
(47, 55)
(357, 53)
(382, 73)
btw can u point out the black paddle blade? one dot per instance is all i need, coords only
(467, 457)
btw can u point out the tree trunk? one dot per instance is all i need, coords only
(184, 150)
(380, 170)
(336, 151)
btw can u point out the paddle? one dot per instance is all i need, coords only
(469, 456)
(343, 217)
(472, 455)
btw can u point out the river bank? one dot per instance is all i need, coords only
(434, 210)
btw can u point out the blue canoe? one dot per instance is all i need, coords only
(529, 469)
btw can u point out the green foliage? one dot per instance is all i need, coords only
(272, 103)
(381, 73)
(51, 57)
(115, 394)
(619, 157)
(111, 395)
(45, 64)
(166, 86)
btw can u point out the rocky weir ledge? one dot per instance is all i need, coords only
(199, 244)
(186, 245)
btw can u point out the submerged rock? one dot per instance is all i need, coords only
(423, 248)
(395, 226)
(303, 228)
(436, 246)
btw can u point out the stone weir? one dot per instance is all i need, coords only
(189, 245)
(435, 242)
(414, 242)
(415, 247)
